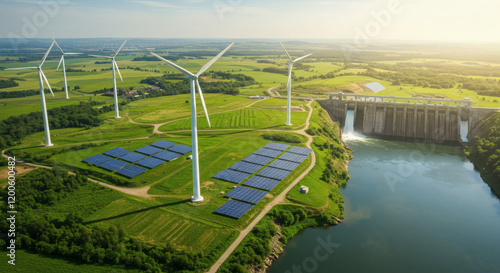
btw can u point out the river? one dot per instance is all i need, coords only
(409, 207)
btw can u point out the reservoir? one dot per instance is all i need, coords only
(409, 207)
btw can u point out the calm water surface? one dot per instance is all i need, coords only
(408, 208)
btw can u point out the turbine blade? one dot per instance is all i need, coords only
(46, 54)
(60, 62)
(290, 76)
(298, 59)
(57, 45)
(46, 81)
(117, 69)
(21, 68)
(203, 103)
(286, 51)
(101, 56)
(206, 66)
(120, 48)
(173, 65)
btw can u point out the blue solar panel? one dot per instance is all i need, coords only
(148, 150)
(132, 157)
(293, 157)
(131, 171)
(116, 152)
(246, 195)
(245, 167)
(257, 159)
(167, 155)
(163, 144)
(274, 173)
(263, 183)
(234, 209)
(231, 176)
(181, 149)
(300, 150)
(97, 159)
(375, 86)
(113, 165)
(150, 162)
(267, 152)
(277, 146)
(285, 165)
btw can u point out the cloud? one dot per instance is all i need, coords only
(156, 4)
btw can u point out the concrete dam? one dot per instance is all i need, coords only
(406, 117)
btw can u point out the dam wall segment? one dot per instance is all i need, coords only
(406, 117)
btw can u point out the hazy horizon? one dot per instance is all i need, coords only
(361, 21)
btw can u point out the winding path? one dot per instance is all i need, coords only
(269, 206)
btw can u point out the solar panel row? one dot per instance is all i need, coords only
(132, 157)
(234, 209)
(274, 173)
(148, 150)
(262, 183)
(245, 167)
(180, 149)
(276, 146)
(150, 162)
(164, 144)
(246, 195)
(300, 150)
(97, 159)
(116, 152)
(167, 155)
(257, 159)
(131, 171)
(231, 176)
(113, 165)
(285, 165)
(267, 152)
(293, 157)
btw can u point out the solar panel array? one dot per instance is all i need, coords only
(113, 165)
(231, 176)
(167, 155)
(148, 150)
(257, 159)
(116, 152)
(276, 146)
(180, 149)
(247, 195)
(300, 150)
(131, 171)
(267, 152)
(274, 173)
(125, 162)
(150, 162)
(245, 167)
(285, 165)
(266, 179)
(97, 159)
(234, 209)
(262, 183)
(132, 157)
(163, 144)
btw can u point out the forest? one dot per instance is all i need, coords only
(8, 83)
(83, 115)
(39, 231)
(485, 151)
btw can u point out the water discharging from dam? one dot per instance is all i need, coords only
(464, 130)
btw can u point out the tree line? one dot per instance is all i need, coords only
(8, 83)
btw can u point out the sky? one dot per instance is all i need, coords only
(359, 21)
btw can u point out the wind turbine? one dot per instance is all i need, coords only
(41, 78)
(113, 65)
(64, 67)
(193, 79)
(289, 84)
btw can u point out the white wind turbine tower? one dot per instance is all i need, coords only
(41, 78)
(289, 84)
(113, 66)
(64, 67)
(196, 198)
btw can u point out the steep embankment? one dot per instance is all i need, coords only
(484, 151)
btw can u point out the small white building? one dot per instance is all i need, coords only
(303, 189)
